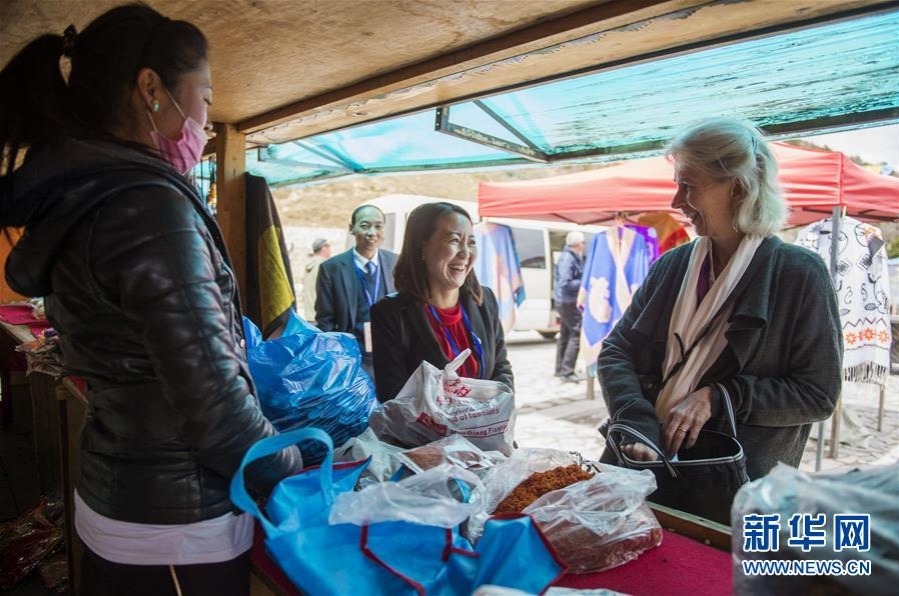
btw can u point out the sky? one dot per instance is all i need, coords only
(874, 145)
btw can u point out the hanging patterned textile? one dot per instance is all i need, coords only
(617, 263)
(652, 239)
(270, 298)
(498, 268)
(862, 286)
(670, 232)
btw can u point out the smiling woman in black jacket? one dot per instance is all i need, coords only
(137, 281)
(735, 322)
(439, 309)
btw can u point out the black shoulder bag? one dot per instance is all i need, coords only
(704, 479)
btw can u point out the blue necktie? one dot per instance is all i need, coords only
(370, 279)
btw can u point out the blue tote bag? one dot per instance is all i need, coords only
(389, 557)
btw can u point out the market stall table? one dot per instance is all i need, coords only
(693, 558)
(59, 412)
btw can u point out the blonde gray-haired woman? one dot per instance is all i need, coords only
(736, 315)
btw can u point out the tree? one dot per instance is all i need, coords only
(893, 249)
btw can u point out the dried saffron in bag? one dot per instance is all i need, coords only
(540, 483)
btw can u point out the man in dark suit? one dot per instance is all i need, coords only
(350, 283)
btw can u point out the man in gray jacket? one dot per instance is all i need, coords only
(566, 283)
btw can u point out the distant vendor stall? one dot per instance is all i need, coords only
(815, 181)
(817, 184)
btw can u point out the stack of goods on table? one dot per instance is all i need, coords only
(437, 494)
(594, 516)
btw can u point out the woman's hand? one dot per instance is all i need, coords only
(686, 419)
(639, 452)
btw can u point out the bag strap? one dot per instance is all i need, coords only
(728, 409)
(624, 429)
(270, 446)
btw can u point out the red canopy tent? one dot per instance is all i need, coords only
(817, 184)
(815, 181)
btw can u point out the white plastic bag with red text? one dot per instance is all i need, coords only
(437, 403)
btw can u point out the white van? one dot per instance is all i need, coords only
(538, 243)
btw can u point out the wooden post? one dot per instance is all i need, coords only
(230, 156)
(73, 411)
(835, 419)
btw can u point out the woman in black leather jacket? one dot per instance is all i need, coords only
(137, 281)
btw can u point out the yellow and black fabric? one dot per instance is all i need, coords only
(270, 295)
(8, 239)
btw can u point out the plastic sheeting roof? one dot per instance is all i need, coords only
(839, 75)
(409, 143)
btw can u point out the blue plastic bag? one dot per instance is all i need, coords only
(384, 558)
(309, 378)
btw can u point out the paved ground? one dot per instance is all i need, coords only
(558, 415)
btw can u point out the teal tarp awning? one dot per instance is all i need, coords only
(839, 75)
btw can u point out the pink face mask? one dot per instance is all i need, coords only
(185, 152)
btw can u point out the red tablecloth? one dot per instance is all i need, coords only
(17, 314)
(678, 566)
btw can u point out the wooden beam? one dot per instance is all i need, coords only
(232, 197)
(533, 38)
(692, 526)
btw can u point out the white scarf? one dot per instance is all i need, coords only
(689, 320)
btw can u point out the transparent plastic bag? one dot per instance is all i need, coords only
(385, 458)
(432, 498)
(594, 524)
(437, 403)
(502, 479)
(455, 450)
(787, 491)
(600, 523)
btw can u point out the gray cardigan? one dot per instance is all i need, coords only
(781, 367)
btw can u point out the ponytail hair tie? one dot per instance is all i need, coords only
(69, 37)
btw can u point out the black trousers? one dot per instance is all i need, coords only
(569, 337)
(100, 577)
